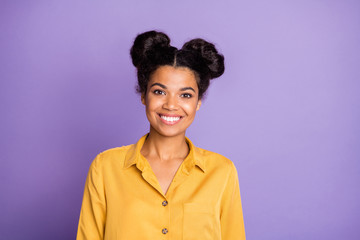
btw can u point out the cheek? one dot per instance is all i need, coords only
(190, 108)
(152, 104)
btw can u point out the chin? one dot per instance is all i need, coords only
(167, 132)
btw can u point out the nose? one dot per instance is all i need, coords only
(170, 103)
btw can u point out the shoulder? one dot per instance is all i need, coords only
(115, 152)
(213, 160)
(111, 157)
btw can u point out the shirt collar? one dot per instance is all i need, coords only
(133, 157)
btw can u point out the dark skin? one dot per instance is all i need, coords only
(171, 102)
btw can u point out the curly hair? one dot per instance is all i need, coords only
(152, 49)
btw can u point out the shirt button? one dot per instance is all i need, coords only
(164, 231)
(164, 203)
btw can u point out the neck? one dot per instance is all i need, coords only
(165, 148)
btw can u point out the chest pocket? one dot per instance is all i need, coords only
(199, 221)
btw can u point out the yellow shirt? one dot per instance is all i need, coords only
(123, 199)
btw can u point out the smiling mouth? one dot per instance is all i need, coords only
(170, 120)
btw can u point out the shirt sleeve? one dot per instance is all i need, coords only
(231, 218)
(93, 210)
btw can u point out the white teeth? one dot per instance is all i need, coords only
(170, 119)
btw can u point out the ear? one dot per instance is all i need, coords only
(143, 98)
(198, 104)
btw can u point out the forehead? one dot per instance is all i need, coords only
(173, 76)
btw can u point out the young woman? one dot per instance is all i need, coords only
(163, 187)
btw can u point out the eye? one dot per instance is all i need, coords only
(158, 92)
(186, 95)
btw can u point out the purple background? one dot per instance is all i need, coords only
(286, 111)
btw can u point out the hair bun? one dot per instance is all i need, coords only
(212, 58)
(146, 44)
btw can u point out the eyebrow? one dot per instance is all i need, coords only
(164, 87)
(158, 84)
(187, 88)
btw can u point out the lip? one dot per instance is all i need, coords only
(170, 115)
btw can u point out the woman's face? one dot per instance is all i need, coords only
(171, 100)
